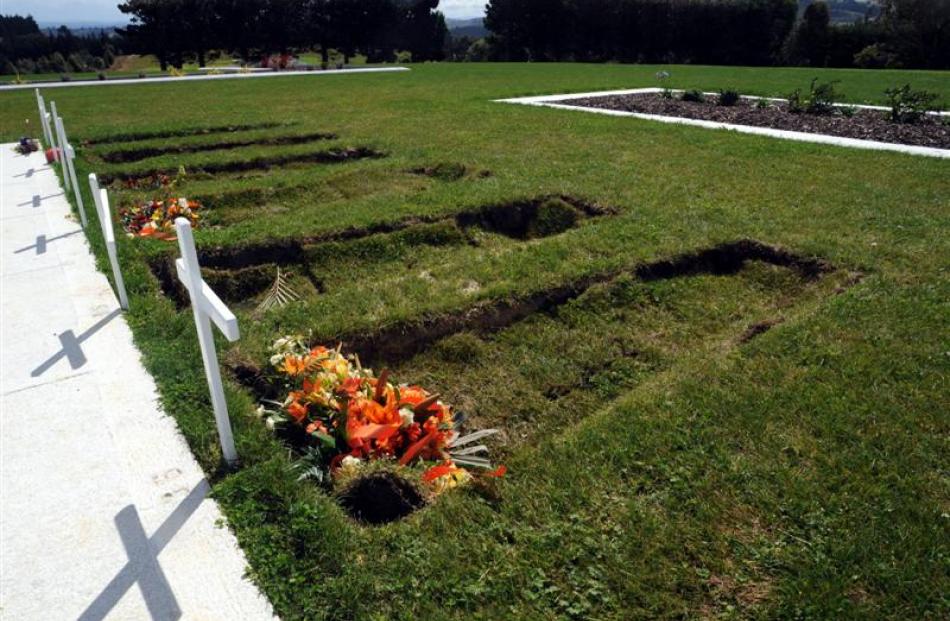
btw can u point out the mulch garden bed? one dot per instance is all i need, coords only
(932, 131)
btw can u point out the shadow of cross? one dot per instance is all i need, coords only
(42, 240)
(71, 349)
(37, 200)
(143, 567)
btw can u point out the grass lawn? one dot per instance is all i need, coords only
(738, 437)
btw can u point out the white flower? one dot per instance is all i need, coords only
(350, 462)
(407, 416)
(270, 423)
(183, 203)
(259, 412)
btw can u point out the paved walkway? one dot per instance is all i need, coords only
(197, 78)
(103, 511)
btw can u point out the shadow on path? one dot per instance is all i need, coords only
(143, 566)
(42, 240)
(71, 346)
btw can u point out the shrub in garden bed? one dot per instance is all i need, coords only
(728, 97)
(908, 105)
(694, 96)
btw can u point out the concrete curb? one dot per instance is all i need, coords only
(105, 512)
(553, 101)
(199, 78)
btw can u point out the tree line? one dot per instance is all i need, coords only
(24, 48)
(178, 31)
(901, 33)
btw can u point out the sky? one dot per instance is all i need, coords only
(99, 11)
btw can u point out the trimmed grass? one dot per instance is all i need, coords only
(660, 464)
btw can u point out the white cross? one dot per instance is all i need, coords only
(44, 120)
(207, 307)
(67, 155)
(101, 198)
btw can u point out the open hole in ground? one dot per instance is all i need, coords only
(450, 171)
(134, 155)
(244, 272)
(404, 340)
(380, 498)
(535, 370)
(181, 133)
(329, 156)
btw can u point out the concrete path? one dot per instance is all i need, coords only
(103, 512)
(197, 78)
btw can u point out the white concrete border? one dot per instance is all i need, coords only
(198, 78)
(105, 513)
(554, 101)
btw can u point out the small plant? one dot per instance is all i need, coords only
(762, 104)
(64, 78)
(908, 105)
(101, 76)
(848, 111)
(728, 97)
(666, 93)
(141, 75)
(819, 100)
(175, 72)
(18, 79)
(693, 95)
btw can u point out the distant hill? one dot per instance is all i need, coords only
(474, 27)
(845, 11)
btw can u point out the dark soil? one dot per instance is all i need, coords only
(450, 171)
(758, 329)
(404, 340)
(531, 219)
(181, 133)
(331, 156)
(380, 498)
(134, 155)
(864, 125)
(237, 273)
(232, 285)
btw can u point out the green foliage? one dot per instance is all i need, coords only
(908, 105)
(819, 100)
(728, 97)
(693, 95)
(658, 467)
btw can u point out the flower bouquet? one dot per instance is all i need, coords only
(27, 146)
(352, 417)
(156, 218)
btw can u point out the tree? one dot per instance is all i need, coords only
(808, 44)
(919, 31)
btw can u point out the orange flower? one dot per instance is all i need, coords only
(296, 365)
(350, 386)
(297, 411)
(317, 426)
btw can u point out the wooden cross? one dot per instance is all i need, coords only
(207, 307)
